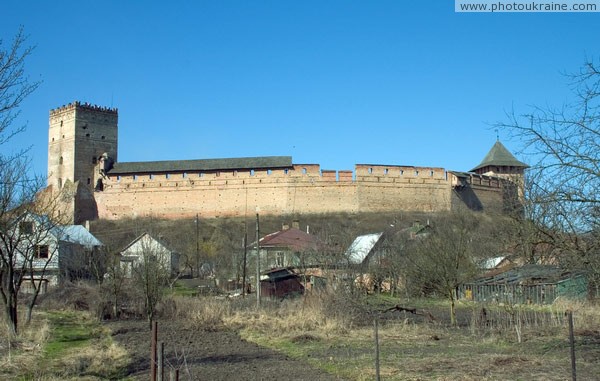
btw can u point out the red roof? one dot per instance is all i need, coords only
(293, 239)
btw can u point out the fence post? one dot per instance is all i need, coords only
(376, 327)
(161, 361)
(572, 344)
(153, 351)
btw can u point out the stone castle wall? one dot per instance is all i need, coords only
(79, 134)
(301, 189)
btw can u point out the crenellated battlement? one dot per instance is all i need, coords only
(83, 149)
(84, 105)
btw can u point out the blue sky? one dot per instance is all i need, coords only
(329, 82)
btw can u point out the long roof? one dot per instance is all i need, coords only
(202, 165)
(499, 156)
(292, 238)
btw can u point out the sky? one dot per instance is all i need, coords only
(335, 83)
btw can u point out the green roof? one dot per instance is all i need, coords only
(499, 156)
(263, 162)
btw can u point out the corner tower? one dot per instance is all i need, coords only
(501, 163)
(79, 134)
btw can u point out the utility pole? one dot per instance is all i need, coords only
(245, 256)
(197, 244)
(257, 264)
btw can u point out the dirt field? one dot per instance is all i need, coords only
(201, 355)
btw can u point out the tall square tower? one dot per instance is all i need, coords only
(79, 133)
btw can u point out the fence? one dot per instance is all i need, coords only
(509, 293)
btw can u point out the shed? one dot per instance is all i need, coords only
(280, 283)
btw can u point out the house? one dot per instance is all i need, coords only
(54, 252)
(280, 283)
(289, 246)
(147, 247)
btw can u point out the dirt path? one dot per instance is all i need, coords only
(211, 356)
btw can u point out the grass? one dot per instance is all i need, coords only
(70, 345)
(416, 350)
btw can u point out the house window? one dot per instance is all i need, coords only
(41, 251)
(279, 259)
(26, 227)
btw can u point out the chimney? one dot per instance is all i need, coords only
(296, 224)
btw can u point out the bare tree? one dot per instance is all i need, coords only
(17, 190)
(150, 274)
(445, 259)
(564, 145)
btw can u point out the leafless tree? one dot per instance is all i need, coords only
(150, 274)
(445, 259)
(17, 189)
(564, 145)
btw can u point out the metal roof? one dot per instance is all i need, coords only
(76, 234)
(499, 156)
(362, 246)
(202, 165)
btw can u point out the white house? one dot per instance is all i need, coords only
(49, 251)
(145, 245)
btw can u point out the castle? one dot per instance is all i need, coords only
(82, 159)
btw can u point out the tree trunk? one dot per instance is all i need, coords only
(452, 310)
(11, 313)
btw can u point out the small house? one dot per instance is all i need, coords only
(146, 247)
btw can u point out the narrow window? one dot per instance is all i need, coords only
(41, 251)
(61, 124)
(252, 172)
(94, 160)
(167, 176)
(26, 227)
(183, 175)
(59, 183)
(304, 171)
(385, 171)
(134, 177)
(60, 160)
(431, 173)
(370, 170)
(285, 171)
(103, 137)
(402, 172)
(200, 174)
(89, 181)
(268, 171)
(151, 176)
(416, 172)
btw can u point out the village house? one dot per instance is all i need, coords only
(146, 247)
(56, 252)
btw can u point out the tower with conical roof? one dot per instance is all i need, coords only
(501, 163)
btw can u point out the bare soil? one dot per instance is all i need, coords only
(207, 355)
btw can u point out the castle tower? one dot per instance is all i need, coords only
(79, 133)
(501, 163)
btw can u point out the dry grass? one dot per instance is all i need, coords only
(305, 329)
(38, 354)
